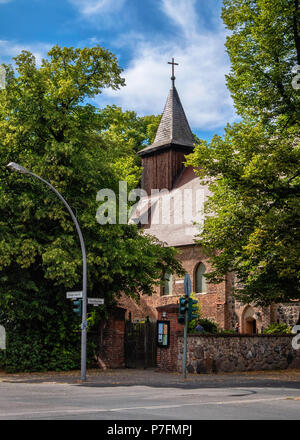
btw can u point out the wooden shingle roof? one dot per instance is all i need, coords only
(173, 129)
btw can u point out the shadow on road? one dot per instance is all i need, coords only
(158, 379)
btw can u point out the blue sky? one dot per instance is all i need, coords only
(144, 35)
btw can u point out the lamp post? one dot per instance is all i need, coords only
(16, 167)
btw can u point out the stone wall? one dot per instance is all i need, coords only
(212, 354)
(287, 313)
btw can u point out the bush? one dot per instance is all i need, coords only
(30, 353)
(208, 325)
(227, 332)
(277, 329)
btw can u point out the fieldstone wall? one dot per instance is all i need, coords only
(287, 312)
(227, 353)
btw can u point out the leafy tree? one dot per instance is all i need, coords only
(264, 47)
(253, 216)
(124, 134)
(48, 126)
(252, 226)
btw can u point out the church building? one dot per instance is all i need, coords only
(173, 202)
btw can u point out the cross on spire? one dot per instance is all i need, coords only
(173, 74)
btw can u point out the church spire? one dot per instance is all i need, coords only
(174, 128)
(163, 161)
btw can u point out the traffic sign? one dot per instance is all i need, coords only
(187, 285)
(96, 301)
(71, 295)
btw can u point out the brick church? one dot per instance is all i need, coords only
(173, 201)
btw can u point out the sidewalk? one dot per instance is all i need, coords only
(154, 378)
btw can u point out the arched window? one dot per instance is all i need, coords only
(167, 289)
(200, 281)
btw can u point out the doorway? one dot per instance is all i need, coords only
(248, 321)
(250, 326)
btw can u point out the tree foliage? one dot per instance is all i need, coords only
(264, 47)
(252, 226)
(48, 125)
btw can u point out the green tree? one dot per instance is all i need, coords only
(264, 47)
(48, 126)
(253, 224)
(124, 134)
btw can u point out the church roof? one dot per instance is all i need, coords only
(174, 128)
(173, 217)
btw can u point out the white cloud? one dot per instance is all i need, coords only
(9, 49)
(200, 76)
(182, 13)
(90, 8)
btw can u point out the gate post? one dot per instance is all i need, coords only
(167, 358)
(111, 347)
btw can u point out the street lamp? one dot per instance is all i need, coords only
(16, 167)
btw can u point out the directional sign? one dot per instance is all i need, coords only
(73, 295)
(187, 285)
(96, 301)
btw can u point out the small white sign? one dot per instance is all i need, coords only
(96, 301)
(179, 282)
(72, 295)
(2, 338)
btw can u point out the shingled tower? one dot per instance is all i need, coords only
(163, 160)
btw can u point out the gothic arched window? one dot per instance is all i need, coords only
(167, 289)
(200, 281)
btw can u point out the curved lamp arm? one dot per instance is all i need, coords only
(23, 170)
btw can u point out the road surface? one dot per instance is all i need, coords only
(147, 395)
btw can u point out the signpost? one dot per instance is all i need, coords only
(96, 301)
(74, 295)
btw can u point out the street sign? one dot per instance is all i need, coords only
(187, 285)
(74, 295)
(96, 301)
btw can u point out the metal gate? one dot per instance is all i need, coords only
(140, 345)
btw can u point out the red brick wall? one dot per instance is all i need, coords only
(111, 345)
(213, 303)
(166, 358)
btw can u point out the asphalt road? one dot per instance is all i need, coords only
(146, 395)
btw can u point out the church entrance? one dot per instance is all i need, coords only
(250, 327)
(140, 345)
(248, 321)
